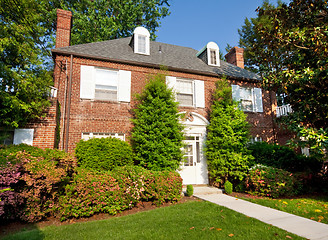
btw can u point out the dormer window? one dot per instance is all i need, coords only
(210, 54)
(213, 57)
(141, 41)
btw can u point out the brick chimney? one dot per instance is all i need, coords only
(236, 56)
(63, 33)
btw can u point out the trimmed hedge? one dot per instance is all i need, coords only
(103, 153)
(271, 182)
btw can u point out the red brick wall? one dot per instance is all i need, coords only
(45, 128)
(113, 117)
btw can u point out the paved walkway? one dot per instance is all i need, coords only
(298, 225)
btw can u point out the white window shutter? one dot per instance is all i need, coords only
(235, 93)
(199, 94)
(258, 100)
(171, 82)
(23, 135)
(124, 86)
(87, 86)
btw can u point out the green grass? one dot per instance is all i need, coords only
(191, 220)
(315, 208)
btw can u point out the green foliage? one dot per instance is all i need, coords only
(157, 134)
(93, 192)
(228, 187)
(227, 137)
(283, 157)
(271, 182)
(27, 33)
(288, 45)
(190, 190)
(103, 153)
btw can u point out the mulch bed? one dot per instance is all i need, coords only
(11, 227)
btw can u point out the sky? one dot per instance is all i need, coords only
(194, 23)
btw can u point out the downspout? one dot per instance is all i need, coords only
(272, 118)
(69, 103)
(64, 108)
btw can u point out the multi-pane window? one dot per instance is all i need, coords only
(191, 151)
(141, 44)
(250, 99)
(185, 92)
(87, 136)
(213, 56)
(246, 99)
(106, 85)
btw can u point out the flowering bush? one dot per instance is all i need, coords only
(271, 182)
(93, 192)
(34, 179)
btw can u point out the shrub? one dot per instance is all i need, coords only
(190, 190)
(227, 138)
(283, 157)
(157, 133)
(103, 153)
(114, 191)
(271, 182)
(35, 181)
(228, 187)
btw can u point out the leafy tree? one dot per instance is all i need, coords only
(227, 137)
(157, 133)
(27, 30)
(289, 46)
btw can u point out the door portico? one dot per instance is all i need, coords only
(193, 168)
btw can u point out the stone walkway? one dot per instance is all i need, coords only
(298, 225)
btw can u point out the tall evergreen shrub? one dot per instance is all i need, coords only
(157, 134)
(227, 137)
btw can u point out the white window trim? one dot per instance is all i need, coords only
(257, 106)
(216, 56)
(141, 31)
(193, 91)
(106, 135)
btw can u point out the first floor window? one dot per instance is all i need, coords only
(191, 151)
(86, 136)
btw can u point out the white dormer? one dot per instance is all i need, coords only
(210, 54)
(141, 40)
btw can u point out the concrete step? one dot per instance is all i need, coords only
(204, 190)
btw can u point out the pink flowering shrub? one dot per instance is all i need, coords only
(271, 182)
(111, 192)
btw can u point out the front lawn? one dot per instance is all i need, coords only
(315, 208)
(190, 220)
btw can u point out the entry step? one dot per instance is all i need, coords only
(204, 190)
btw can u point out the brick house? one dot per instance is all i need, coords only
(95, 84)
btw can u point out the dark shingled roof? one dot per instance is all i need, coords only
(174, 57)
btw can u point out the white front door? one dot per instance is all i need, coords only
(193, 168)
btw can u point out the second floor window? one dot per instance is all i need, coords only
(106, 85)
(185, 92)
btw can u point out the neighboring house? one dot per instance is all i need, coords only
(96, 83)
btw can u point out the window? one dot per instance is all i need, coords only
(189, 93)
(141, 41)
(250, 99)
(185, 92)
(141, 44)
(255, 139)
(191, 151)
(213, 57)
(105, 84)
(87, 136)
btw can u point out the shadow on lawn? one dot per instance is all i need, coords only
(17, 230)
